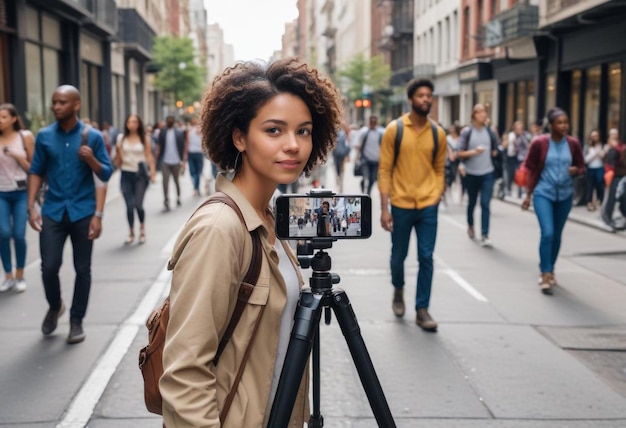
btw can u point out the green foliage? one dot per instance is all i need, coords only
(185, 83)
(362, 74)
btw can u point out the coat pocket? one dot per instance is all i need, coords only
(260, 294)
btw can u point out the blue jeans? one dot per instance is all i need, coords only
(51, 241)
(425, 223)
(484, 185)
(196, 164)
(134, 190)
(13, 219)
(552, 216)
(370, 175)
(595, 181)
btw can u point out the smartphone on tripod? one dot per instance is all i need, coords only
(338, 216)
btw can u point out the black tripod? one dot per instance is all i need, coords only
(305, 334)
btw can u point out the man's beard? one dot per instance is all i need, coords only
(418, 110)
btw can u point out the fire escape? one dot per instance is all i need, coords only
(401, 35)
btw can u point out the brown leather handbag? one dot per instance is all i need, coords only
(151, 356)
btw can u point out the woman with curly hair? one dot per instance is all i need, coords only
(266, 124)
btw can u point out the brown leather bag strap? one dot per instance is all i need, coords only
(250, 279)
(233, 390)
(245, 290)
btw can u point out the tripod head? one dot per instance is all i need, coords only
(321, 263)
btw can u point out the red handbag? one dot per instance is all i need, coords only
(521, 176)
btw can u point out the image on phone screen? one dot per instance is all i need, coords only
(340, 216)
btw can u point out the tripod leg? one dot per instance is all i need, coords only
(362, 361)
(306, 323)
(316, 420)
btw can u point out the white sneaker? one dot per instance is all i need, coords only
(485, 242)
(7, 285)
(20, 285)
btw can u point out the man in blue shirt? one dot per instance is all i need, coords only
(69, 208)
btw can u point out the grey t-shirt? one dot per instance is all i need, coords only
(372, 145)
(480, 164)
(170, 155)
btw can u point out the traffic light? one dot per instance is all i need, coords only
(367, 103)
(179, 104)
(358, 103)
(190, 109)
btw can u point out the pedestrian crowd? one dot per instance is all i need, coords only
(57, 183)
(546, 165)
(263, 127)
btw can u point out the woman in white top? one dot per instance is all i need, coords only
(594, 160)
(133, 155)
(17, 146)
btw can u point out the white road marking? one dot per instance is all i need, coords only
(454, 275)
(81, 408)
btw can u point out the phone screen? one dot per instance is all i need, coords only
(340, 216)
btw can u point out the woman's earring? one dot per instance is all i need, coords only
(237, 159)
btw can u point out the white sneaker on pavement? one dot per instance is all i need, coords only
(20, 285)
(7, 285)
(485, 242)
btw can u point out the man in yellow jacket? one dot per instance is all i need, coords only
(411, 180)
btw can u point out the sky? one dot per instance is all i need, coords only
(253, 27)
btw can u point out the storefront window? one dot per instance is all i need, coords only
(551, 91)
(592, 100)
(35, 114)
(531, 113)
(50, 78)
(510, 105)
(615, 88)
(51, 29)
(90, 92)
(575, 103)
(32, 24)
(42, 66)
(4, 69)
(520, 109)
(84, 96)
(486, 98)
(94, 93)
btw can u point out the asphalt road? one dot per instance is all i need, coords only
(505, 354)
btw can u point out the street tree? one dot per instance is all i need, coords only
(178, 73)
(362, 77)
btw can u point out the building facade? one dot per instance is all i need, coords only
(221, 54)
(582, 63)
(436, 52)
(103, 47)
(47, 43)
(517, 57)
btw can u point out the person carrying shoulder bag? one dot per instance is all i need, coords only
(133, 155)
(553, 161)
(257, 123)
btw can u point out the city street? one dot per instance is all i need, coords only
(505, 354)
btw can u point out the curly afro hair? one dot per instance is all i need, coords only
(240, 91)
